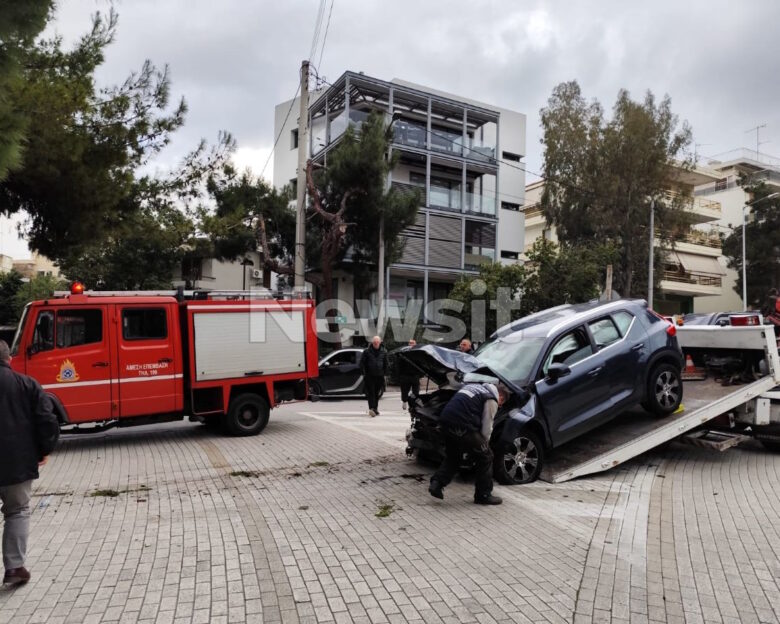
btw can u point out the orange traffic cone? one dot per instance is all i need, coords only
(691, 372)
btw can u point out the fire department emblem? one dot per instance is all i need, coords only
(67, 372)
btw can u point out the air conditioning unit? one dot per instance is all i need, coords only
(257, 273)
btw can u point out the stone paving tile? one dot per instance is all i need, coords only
(679, 535)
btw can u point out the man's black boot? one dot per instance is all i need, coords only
(435, 489)
(488, 499)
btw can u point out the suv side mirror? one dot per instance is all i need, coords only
(556, 371)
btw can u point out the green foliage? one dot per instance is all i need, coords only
(349, 196)
(84, 145)
(602, 174)
(500, 283)
(246, 209)
(39, 287)
(762, 248)
(564, 274)
(20, 23)
(10, 284)
(554, 275)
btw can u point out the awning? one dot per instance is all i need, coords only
(693, 263)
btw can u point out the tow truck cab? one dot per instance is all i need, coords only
(137, 358)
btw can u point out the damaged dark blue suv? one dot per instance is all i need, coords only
(570, 369)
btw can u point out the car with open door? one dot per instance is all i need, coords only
(339, 375)
(569, 369)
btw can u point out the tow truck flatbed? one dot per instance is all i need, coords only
(636, 431)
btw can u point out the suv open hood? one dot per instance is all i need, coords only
(437, 362)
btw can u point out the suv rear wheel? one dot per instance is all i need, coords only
(664, 390)
(521, 461)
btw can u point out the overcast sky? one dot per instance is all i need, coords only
(233, 60)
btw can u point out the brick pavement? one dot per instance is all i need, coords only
(283, 528)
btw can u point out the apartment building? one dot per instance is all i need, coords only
(725, 190)
(695, 270)
(464, 159)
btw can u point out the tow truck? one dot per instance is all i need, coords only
(716, 413)
(122, 358)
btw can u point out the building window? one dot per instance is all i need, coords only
(479, 244)
(511, 156)
(510, 255)
(722, 184)
(510, 206)
(294, 139)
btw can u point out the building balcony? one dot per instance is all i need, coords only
(691, 284)
(699, 209)
(534, 217)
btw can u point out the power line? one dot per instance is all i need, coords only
(315, 38)
(325, 37)
(317, 27)
(281, 129)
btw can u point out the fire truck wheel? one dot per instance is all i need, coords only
(247, 415)
(664, 390)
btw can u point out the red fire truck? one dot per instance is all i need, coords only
(129, 358)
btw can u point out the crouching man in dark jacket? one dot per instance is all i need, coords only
(28, 433)
(466, 422)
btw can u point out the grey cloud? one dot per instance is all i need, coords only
(234, 60)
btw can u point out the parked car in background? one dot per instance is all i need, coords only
(339, 375)
(569, 369)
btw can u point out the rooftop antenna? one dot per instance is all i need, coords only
(759, 143)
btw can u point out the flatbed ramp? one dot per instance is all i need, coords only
(636, 431)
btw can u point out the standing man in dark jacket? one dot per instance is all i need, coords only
(373, 365)
(466, 423)
(28, 433)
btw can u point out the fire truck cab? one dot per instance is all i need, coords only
(129, 358)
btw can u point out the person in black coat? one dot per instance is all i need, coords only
(28, 433)
(373, 365)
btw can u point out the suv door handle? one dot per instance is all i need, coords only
(165, 360)
(100, 365)
(595, 371)
(636, 347)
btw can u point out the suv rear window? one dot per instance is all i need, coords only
(604, 332)
(623, 321)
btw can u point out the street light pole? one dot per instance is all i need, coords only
(651, 254)
(744, 246)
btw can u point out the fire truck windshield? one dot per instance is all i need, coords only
(19, 330)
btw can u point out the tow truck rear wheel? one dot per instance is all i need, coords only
(247, 415)
(664, 390)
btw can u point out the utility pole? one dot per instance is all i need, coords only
(300, 215)
(650, 260)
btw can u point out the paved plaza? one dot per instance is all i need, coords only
(322, 518)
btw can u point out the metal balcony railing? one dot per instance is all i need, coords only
(698, 279)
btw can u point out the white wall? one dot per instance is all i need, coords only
(285, 158)
(731, 202)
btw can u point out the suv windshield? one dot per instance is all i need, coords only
(512, 356)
